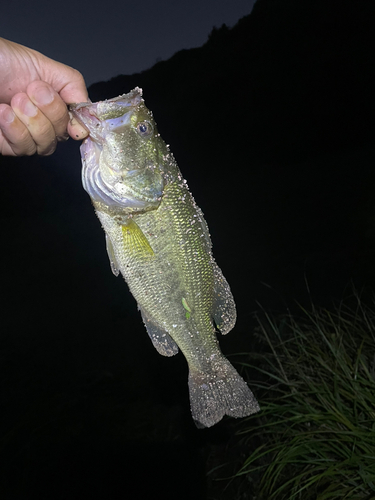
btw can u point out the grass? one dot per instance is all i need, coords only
(315, 435)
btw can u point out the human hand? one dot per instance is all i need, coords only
(34, 93)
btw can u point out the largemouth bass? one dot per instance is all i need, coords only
(157, 238)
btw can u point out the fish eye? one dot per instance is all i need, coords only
(144, 129)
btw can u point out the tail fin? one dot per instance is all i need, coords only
(219, 391)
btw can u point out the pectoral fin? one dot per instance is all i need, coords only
(224, 308)
(162, 341)
(135, 242)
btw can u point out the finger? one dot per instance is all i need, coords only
(55, 109)
(38, 125)
(76, 130)
(51, 105)
(5, 148)
(67, 81)
(15, 139)
(74, 88)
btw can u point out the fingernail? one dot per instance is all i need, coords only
(43, 95)
(8, 115)
(29, 109)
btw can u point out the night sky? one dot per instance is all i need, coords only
(103, 40)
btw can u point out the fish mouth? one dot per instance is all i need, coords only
(86, 114)
(112, 114)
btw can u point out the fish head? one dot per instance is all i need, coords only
(123, 156)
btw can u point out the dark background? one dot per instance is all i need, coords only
(272, 124)
(103, 40)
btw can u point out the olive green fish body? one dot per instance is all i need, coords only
(158, 240)
(171, 276)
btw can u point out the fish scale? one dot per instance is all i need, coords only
(158, 240)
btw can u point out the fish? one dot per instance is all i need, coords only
(157, 238)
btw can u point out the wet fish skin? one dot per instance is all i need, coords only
(158, 239)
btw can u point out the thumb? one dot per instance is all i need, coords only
(67, 81)
(73, 88)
